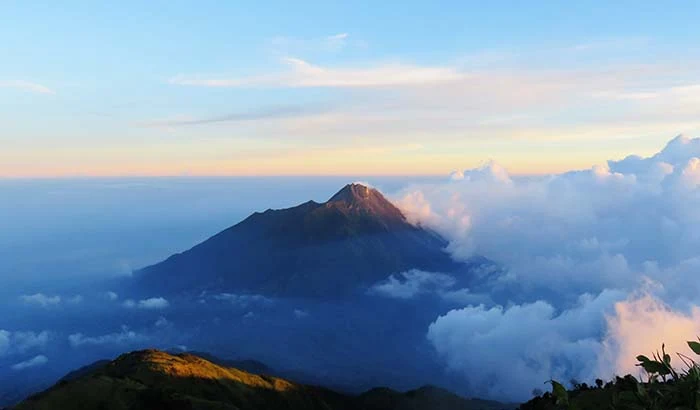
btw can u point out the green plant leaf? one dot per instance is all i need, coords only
(655, 367)
(559, 392)
(643, 358)
(695, 347)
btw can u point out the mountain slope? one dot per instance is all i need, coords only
(154, 380)
(336, 248)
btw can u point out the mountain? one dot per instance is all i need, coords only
(336, 248)
(154, 380)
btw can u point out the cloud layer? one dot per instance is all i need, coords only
(576, 245)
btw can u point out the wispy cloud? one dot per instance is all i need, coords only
(22, 341)
(33, 362)
(264, 113)
(337, 41)
(285, 45)
(26, 86)
(150, 303)
(126, 336)
(41, 299)
(304, 74)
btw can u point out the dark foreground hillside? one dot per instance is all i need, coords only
(153, 380)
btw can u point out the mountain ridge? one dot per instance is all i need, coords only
(152, 379)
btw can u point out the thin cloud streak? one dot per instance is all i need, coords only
(304, 74)
(26, 86)
(265, 113)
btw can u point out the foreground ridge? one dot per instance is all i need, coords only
(153, 379)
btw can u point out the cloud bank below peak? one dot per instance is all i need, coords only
(575, 248)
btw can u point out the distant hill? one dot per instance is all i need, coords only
(336, 248)
(427, 397)
(154, 380)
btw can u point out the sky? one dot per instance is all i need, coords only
(326, 88)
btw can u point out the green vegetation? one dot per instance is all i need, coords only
(666, 388)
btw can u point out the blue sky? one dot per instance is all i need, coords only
(279, 88)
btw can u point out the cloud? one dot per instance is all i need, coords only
(150, 303)
(4, 341)
(162, 322)
(337, 41)
(22, 341)
(578, 231)
(26, 86)
(409, 284)
(40, 299)
(556, 240)
(36, 361)
(300, 313)
(111, 296)
(265, 113)
(75, 299)
(285, 45)
(507, 352)
(125, 337)
(641, 325)
(25, 341)
(242, 300)
(304, 74)
(153, 303)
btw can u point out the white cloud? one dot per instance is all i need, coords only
(336, 41)
(286, 45)
(25, 341)
(603, 231)
(340, 36)
(153, 303)
(586, 230)
(507, 352)
(26, 86)
(75, 299)
(41, 300)
(300, 313)
(412, 283)
(162, 322)
(304, 74)
(150, 303)
(641, 325)
(125, 337)
(22, 341)
(111, 296)
(242, 300)
(36, 361)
